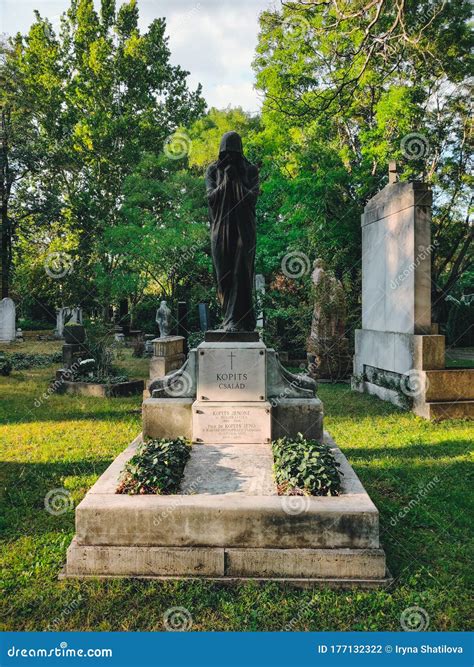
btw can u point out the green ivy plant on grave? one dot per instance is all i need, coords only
(157, 467)
(5, 365)
(305, 467)
(20, 361)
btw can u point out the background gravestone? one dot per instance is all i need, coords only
(7, 320)
(397, 357)
(204, 318)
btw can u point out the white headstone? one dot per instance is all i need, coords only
(396, 260)
(7, 320)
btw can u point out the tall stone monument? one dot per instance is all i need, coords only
(398, 356)
(7, 320)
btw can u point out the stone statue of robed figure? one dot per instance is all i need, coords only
(232, 191)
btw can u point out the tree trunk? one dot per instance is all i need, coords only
(4, 189)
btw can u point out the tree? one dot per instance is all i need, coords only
(206, 133)
(349, 86)
(162, 240)
(101, 95)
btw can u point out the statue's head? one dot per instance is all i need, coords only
(163, 303)
(318, 263)
(231, 146)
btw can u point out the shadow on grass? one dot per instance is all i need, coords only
(26, 486)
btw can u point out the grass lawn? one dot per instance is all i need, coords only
(408, 466)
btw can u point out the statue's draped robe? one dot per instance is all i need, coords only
(232, 217)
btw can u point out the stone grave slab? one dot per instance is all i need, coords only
(225, 469)
(214, 530)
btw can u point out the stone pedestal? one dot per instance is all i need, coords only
(294, 406)
(227, 522)
(232, 392)
(167, 356)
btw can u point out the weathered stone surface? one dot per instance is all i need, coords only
(438, 411)
(397, 352)
(168, 346)
(163, 319)
(351, 564)
(7, 320)
(450, 384)
(295, 563)
(291, 416)
(283, 384)
(429, 352)
(227, 520)
(384, 393)
(397, 197)
(167, 417)
(144, 561)
(73, 353)
(396, 262)
(224, 469)
(230, 536)
(231, 372)
(219, 422)
(161, 366)
(181, 383)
